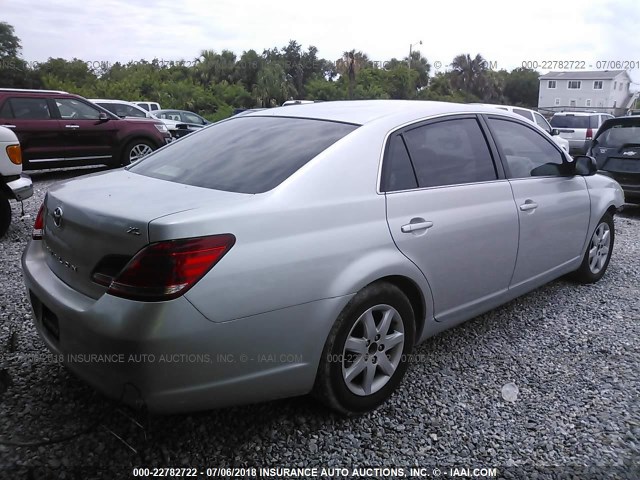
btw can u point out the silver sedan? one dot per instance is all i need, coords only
(307, 249)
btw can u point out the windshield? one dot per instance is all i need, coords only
(243, 154)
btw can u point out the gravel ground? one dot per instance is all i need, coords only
(572, 351)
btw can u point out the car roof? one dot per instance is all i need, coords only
(366, 111)
(580, 114)
(111, 100)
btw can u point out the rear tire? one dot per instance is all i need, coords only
(5, 214)
(596, 258)
(366, 354)
(135, 150)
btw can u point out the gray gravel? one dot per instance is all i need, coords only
(572, 351)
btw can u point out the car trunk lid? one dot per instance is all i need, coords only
(104, 219)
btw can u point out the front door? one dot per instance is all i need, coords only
(553, 206)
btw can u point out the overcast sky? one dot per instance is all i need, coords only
(507, 33)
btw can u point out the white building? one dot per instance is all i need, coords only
(605, 90)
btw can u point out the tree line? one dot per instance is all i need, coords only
(215, 83)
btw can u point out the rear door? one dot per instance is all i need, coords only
(87, 139)
(451, 212)
(37, 129)
(553, 206)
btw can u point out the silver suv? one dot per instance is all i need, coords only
(14, 185)
(579, 128)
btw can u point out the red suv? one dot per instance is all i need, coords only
(58, 129)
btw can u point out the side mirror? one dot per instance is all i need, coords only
(555, 131)
(103, 117)
(585, 165)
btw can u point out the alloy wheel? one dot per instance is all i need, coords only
(599, 248)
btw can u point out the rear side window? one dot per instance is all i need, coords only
(450, 152)
(527, 152)
(244, 154)
(26, 109)
(570, 121)
(542, 123)
(397, 172)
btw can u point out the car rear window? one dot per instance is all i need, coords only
(243, 154)
(619, 135)
(572, 121)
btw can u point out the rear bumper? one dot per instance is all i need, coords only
(166, 355)
(630, 183)
(22, 187)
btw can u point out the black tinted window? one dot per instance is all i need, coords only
(5, 111)
(527, 152)
(244, 154)
(618, 135)
(397, 172)
(570, 121)
(450, 152)
(30, 108)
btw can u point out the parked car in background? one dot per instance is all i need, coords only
(297, 102)
(193, 121)
(14, 185)
(536, 118)
(148, 106)
(59, 129)
(616, 148)
(125, 109)
(578, 128)
(317, 244)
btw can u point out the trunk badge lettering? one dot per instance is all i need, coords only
(57, 216)
(61, 260)
(133, 230)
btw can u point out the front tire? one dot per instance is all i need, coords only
(365, 355)
(596, 258)
(135, 150)
(5, 214)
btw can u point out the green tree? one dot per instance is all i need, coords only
(521, 87)
(9, 42)
(469, 74)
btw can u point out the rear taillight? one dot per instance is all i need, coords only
(589, 133)
(166, 270)
(15, 154)
(38, 225)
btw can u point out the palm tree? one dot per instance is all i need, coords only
(350, 64)
(273, 86)
(469, 74)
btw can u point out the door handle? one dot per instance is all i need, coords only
(414, 227)
(8, 126)
(528, 205)
(72, 126)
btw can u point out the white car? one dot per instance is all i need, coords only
(578, 128)
(149, 106)
(538, 119)
(14, 185)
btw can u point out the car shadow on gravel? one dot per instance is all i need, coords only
(59, 174)
(630, 210)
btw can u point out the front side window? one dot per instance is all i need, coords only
(72, 109)
(450, 152)
(527, 152)
(574, 84)
(192, 118)
(26, 109)
(243, 154)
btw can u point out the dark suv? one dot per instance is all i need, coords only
(58, 129)
(616, 148)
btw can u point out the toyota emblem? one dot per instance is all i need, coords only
(57, 216)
